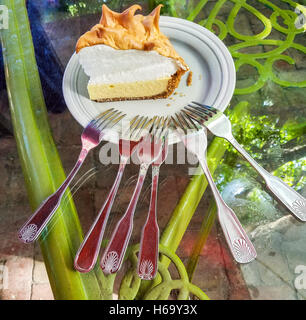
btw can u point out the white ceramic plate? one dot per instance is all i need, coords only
(209, 60)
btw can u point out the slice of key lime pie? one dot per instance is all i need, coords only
(127, 57)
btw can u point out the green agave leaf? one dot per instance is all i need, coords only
(41, 165)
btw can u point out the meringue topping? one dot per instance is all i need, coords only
(105, 65)
(126, 30)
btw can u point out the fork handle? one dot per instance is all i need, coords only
(148, 252)
(114, 253)
(87, 254)
(239, 243)
(33, 227)
(294, 202)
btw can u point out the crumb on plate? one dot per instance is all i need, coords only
(189, 79)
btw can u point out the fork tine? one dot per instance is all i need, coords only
(210, 108)
(180, 122)
(189, 120)
(183, 120)
(101, 116)
(130, 127)
(175, 123)
(200, 110)
(137, 123)
(204, 109)
(111, 122)
(147, 127)
(156, 126)
(152, 129)
(160, 127)
(196, 117)
(103, 121)
(149, 124)
(132, 122)
(165, 129)
(134, 126)
(200, 113)
(157, 129)
(142, 124)
(142, 127)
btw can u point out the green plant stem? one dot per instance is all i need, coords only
(203, 234)
(188, 203)
(41, 165)
(185, 209)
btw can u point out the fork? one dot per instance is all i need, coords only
(148, 150)
(87, 254)
(91, 137)
(241, 247)
(148, 252)
(219, 125)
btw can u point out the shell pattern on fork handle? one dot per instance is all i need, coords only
(148, 253)
(241, 247)
(87, 254)
(33, 227)
(148, 151)
(91, 137)
(114, 253)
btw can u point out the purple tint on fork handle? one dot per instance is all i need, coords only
(34, 226)
(91, 137)
(87, 254)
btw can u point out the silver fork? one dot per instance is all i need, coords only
(91, 137)
(241, 247)
(87, 254)
(219, 125)
(148, 252)
(112, 258)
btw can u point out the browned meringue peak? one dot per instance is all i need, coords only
(129, 31)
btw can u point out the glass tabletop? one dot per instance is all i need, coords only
(267, 42)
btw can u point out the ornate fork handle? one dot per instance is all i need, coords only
(87, 254)
(116, 248)
(148, 253)
(288, 196)
(238, 241)
(30, 231)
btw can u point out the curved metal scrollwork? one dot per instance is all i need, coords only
(264, 69)
(131, 282)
